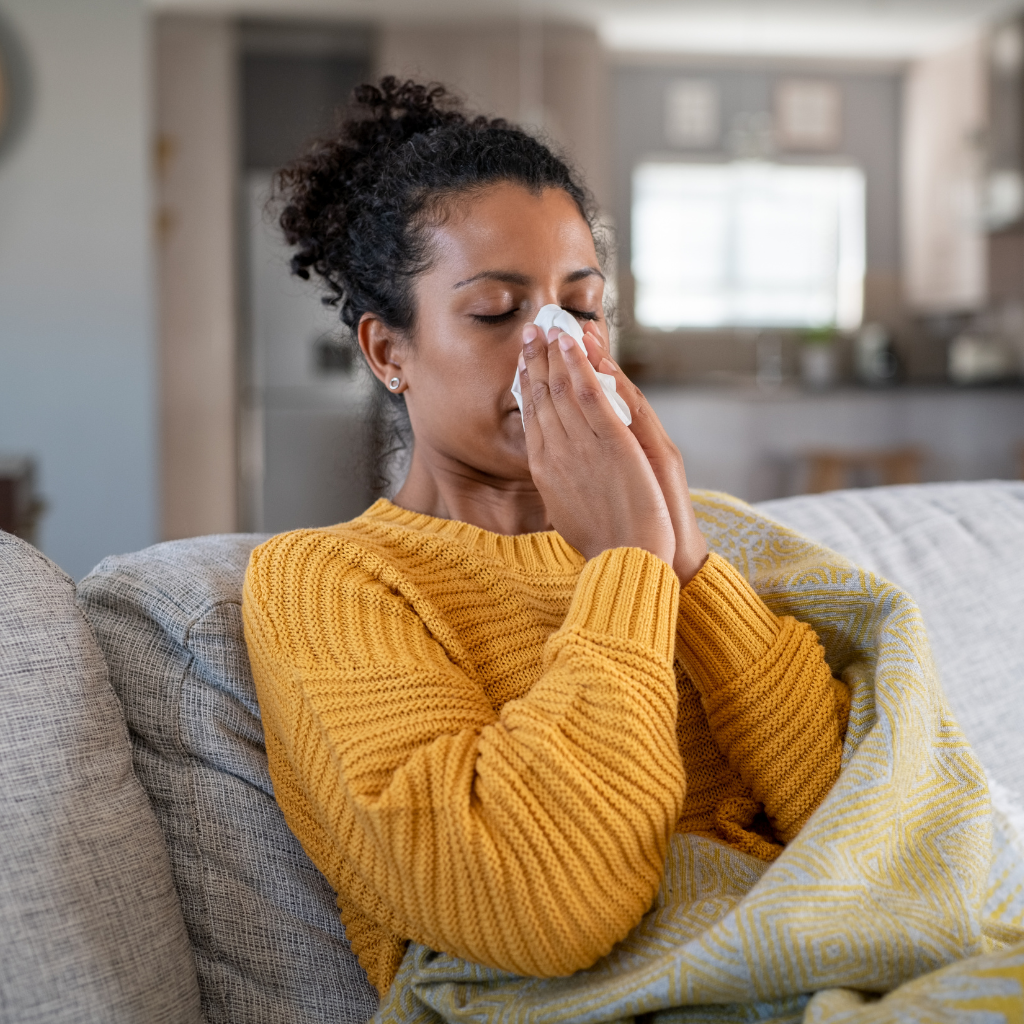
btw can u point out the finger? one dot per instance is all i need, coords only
(660, 449)
(597, 347)
(531, 426)
(646, 426)
(590, 398)
(537, 386)
(562, 354)
(622, 383)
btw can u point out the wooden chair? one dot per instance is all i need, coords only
(834, 470)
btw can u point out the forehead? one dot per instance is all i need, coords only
(509, 225)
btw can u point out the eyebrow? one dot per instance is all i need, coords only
(511, 277)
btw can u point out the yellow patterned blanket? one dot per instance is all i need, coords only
(903, 881)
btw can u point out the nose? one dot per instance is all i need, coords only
(545, 296)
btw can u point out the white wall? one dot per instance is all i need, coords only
(77, 378)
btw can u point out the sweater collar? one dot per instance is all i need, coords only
(530, 551)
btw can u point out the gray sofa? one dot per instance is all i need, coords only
(146, 872)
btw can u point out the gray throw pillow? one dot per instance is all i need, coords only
(268, 941)
(958, 550)
(90, 925)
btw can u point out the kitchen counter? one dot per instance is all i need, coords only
(754, 442)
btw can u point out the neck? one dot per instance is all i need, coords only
(447, 489)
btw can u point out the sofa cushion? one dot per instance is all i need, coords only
(90, 925)
(958, 549)
(268, 941)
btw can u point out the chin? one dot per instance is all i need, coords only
(507, 462)
(513, 454)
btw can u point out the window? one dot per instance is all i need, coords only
(748, 244)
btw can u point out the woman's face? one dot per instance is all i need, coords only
(498, 258)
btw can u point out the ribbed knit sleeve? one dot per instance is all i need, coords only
(773, 707)
(531, 839)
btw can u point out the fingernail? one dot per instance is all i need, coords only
(530, 332)
(566, 342)
(522, 361)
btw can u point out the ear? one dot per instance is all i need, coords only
(380, 346)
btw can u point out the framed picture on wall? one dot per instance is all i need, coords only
(692, 113)
(808, 115)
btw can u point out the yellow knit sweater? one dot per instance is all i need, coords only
(485, 742)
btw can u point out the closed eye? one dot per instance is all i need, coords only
(499, 318)
(496, 318)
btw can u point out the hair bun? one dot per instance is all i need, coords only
(391, 113)
(327, 188)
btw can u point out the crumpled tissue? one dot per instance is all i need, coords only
(554, 316)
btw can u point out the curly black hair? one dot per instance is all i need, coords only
(358, 204)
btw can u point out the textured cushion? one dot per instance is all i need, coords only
(90, 925)
(958, 549)
(268, 941)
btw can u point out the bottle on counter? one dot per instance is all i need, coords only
(874, 358)
(819, 363)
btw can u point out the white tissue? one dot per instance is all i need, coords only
(554, 316)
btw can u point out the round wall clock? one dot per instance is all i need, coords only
(14, 88)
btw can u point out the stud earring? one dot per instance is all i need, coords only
(393, 383)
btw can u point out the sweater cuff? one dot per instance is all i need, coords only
(724, 626)
(628, 594)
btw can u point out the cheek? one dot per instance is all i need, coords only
(466, 376)
(477, 357)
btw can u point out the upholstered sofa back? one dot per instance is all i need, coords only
(958, 550)
(268, 943)
(90, 927)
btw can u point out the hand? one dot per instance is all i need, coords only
(599, 488)
(664, 457)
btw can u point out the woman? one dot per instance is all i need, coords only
(490, 702)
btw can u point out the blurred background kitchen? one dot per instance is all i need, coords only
(817, 207)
